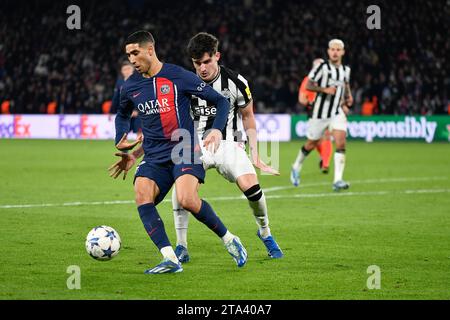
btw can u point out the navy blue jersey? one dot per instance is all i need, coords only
(164, 102)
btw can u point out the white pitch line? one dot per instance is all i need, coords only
(368, 181)
(291, 196)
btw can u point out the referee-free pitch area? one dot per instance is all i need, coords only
(396, 216)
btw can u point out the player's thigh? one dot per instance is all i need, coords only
(316, 128)
(234, 161)
(339, 130)
(187, 192)
(146, 190)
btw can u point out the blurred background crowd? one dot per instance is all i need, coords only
(401, 69)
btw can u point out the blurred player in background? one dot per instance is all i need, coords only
(126, 70)
(231, 160)
(331, 81)
(162, 94)
(306, 98)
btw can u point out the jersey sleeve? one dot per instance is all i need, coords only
(244, 95)
(347, 74)
(193, 85)
(316, 73)
(122, 121)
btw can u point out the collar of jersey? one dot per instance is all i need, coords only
(215, 78)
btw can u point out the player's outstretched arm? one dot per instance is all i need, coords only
(249, 122)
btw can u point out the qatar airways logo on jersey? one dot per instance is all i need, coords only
(154, 106)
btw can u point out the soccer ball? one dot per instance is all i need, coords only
(103, 243)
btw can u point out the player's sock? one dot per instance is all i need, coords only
(155, 229)
(181, 219)
(208, 217)
(257, 202)
(339, 164)
(168, 253)
(326, 149)
(228, 236)
(302, 154)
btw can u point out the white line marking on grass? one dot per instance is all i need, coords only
(368, 181)
(279, 196)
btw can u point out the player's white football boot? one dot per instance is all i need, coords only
(295, 177)
(166, 266)
(237, 251)
(182, 253)
(340, 185)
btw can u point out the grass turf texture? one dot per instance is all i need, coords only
(329, 240)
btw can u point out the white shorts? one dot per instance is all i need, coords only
(230, 160)
(317, 127)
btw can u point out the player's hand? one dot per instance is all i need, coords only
(346, 109)
(212, 140)
(330, 91)
(349, 101)
(124, 145)
(123, 165)
(264, 167)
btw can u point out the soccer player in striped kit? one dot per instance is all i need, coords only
(230, 160)
(306, 98)
(161, 92)
(331, 81)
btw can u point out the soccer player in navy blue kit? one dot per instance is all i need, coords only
(162, 93)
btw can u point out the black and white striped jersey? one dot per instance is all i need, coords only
(235, 88)
(328, 75)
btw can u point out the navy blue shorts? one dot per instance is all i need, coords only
(165, 174)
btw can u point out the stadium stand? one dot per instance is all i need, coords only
(403, 65)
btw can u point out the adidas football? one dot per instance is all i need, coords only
(103, 243)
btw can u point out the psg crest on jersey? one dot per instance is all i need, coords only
(165, 89)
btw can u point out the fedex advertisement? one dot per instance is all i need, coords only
(57, 126)
(270, 127)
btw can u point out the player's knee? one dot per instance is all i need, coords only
(246, 181)
(189, 202)
(142, 197)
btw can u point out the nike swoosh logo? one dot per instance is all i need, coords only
(136, 95)
(185, 169)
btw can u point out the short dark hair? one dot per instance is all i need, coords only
(141, 37)
(202, 43)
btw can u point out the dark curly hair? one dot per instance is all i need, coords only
(202, 43)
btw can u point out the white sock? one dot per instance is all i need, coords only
(181, 219)
(259, 209)
(339, 165)
(228, 237)
(168, 253)
(301, 156)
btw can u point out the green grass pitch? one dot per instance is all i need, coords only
(396, 215)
